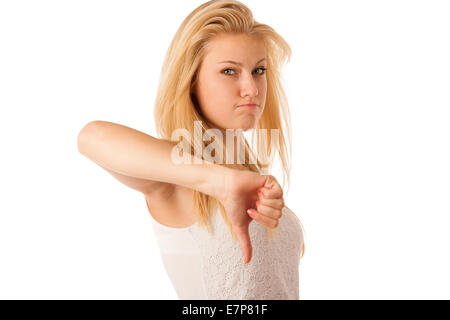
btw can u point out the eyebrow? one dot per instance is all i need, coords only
(239, 64)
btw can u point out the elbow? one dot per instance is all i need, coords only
(86, 136)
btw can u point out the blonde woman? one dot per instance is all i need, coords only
(223, 229)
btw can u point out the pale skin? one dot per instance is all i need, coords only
(232, 74)
(143, 162)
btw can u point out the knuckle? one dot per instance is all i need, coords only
(279, 214)
(275, 224)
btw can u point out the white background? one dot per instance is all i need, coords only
(368, 86)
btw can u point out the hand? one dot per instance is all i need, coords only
(269, 205)
(240, 193)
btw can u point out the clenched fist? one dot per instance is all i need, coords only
(248, 195)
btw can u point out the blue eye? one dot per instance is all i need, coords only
(263, 71)
(227, 70)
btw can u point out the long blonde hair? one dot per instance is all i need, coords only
(176, 106)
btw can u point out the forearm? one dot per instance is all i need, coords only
(133, 153)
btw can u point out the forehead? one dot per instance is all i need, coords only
(237, 47)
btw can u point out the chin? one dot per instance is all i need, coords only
(243, 125)
(246, 128)
(248, 125)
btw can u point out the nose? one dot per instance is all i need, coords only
(248, 87)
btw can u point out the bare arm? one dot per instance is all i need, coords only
(126, 152)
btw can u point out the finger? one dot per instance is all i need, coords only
(273, 193)
(268, 211)
(262, 219)
(244, 241)
(273, 203)
(270, 181)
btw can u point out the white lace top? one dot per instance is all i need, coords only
(201, 266)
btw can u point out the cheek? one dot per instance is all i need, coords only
(262, 91)
(219, 96)
(262, 86)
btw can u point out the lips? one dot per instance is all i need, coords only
(249, 105)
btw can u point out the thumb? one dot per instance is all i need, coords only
(268, 183)
(243, 237)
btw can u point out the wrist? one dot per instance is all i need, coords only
(216, 180)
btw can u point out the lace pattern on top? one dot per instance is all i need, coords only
(272, 273)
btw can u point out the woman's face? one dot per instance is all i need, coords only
(232, 74)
